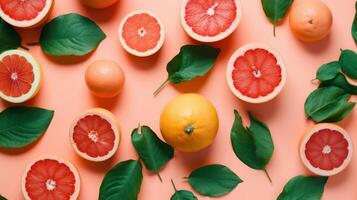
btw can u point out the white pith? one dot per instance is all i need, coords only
(322, 172)
(210, 11)
(28, 23)
(230, 68)
(133, 51)
(67, 163)
(37, 76)
(114, 126)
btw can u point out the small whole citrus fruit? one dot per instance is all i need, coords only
(105, 78)
(98, 3)
(310, 20)
(189, 122)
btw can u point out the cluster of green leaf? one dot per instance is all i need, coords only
(304, 187)
(66, 35)
(330, 102)
(21, 126)
(275, 10)
(191, 62)
(252, 145)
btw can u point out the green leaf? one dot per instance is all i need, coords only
(324, 104)
(354, 25)
(2, 198)
(9, 38)
(328, 71)
(275, 10)
(341, 82)
(342, 113)
(70, 34)
(304, 187)
(123, 181)
(182, 194)
(21, 126)
(348, 61)
(154, 152)
(254, 145)
(213, 180)
(192, 61)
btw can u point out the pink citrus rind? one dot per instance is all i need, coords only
(67, 163)
(217, 38)
(38, 20)
(133, 51)
(36, 85)
(109, 117)
(230, 68)
(307, 137)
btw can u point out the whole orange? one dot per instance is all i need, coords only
(189, 122)
(310, 20)
(98, 3)
(105, 78)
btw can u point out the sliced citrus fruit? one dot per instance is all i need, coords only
(98, 3)
(50, 178)
(210, 20)
(326, 149)
(20, 76)
(256, 73)
(95, 134)
(25, 13)
(141, 33)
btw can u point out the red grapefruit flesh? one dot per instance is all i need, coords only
(20, 76)
(326, 150)
(210, 20)
(25, 13)
(50, 179)
(256, 73)
(95, 135)
(141, 33)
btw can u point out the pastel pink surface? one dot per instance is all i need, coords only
(64, 90)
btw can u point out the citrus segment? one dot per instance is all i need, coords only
(256, 73)
(141, 33)
(95, 135)
(20, 76)
(50, 179)
(210, 21)
(326, 149)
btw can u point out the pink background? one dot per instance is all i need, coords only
(64, 90)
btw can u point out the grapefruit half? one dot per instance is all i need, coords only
(25, 13)
(95, 135)
(50, 178)
(141, 33)
(210, 20)
(20, 76)
(256, 73)
(326, 149)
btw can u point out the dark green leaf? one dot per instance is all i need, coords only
(183, 195)
(342, 113)
(323, 104)
(70, 34)
(254, 145)
(213, 180)
(328, 71)
(304, 188)
(348, 61)
(341, 82)
(154, 152)
(9, 38)
(122, 182)
(354, 25)
(20, 126)
(275, 10)
(2, 198)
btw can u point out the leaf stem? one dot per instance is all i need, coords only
(23, 47)
(158, 174)
(274, 28)
(33, 43)
(267, 174)
(173, 185)
(161, 87)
